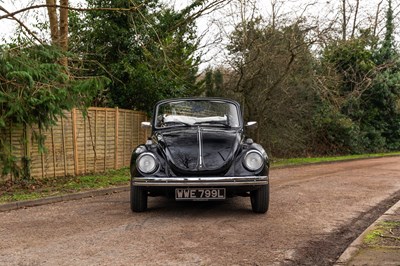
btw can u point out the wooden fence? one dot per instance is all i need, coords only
(102, 140)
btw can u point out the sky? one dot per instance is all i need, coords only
(7, 26)
(216, 26)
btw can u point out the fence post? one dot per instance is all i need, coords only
(11, 148)
(53, 150)
(116, 131)
(64, 149)
(105, 143)
(95, 141)
(42, 156)
(74, 139)
(139, 141)
(124, 144)
(26, 163)
(84, 143)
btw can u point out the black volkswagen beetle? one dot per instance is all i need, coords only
(197, 152)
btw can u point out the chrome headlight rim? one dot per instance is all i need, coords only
(153, 169)
(246, 164)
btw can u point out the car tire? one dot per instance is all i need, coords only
(138, 199)
(260, 199)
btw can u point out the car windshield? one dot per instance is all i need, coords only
(195, 112)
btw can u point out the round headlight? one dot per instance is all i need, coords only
(147, 163)
(253, 161)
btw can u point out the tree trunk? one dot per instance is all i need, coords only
(375, 26)
(344, 22)
(52, 12)
(59, 29)
(64, 29)
(355, 19)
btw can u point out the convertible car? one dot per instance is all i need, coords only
(198, 152)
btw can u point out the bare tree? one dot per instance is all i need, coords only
(344, 20)
(376, 21)
(355, 18)
(267, 56)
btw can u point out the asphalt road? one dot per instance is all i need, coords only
(315, 211)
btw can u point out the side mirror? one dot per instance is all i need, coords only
(146, 125)
(251, 124)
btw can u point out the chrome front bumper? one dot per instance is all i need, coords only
(200, 181)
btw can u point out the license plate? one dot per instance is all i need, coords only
(200, 193)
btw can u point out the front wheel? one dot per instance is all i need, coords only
(260, 199)
(138, 199)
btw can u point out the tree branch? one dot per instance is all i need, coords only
(12, 14)
(22, 24)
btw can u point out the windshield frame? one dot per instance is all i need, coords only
(203, 99)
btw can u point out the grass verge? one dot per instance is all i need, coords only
(301, 161)
(386, 233)
(35, 189)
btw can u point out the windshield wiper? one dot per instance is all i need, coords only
(176, 124)
(218, 123)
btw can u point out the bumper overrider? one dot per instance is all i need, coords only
(200, 181)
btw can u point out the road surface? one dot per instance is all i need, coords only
(315, 212)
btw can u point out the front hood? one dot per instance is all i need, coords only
(199, 150)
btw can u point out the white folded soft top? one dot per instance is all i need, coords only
(191, 120)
